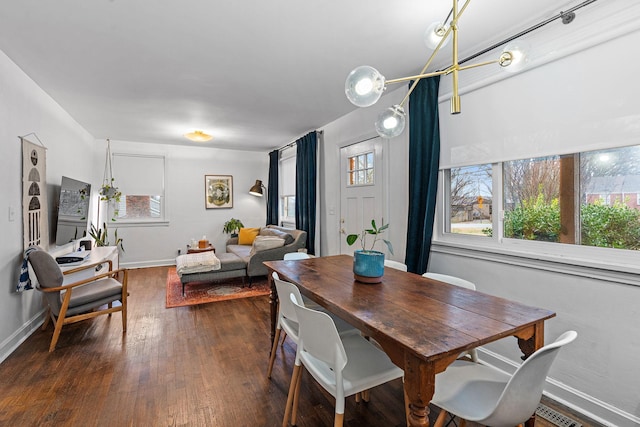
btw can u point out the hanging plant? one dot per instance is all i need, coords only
(109, 192)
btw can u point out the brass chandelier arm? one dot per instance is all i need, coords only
(420, 76)
(446, 71)
(453, 27)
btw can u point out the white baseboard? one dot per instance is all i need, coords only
(595, 409)
(10, 344)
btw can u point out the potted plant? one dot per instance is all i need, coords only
(109, 192)
(232, 227)
(368, 264)
(101, 237)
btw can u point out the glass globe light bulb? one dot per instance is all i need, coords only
(434, 34)
(364, 86)
(391, 122)
(515, 56)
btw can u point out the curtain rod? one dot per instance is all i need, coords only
(291, 144)
(566, 19)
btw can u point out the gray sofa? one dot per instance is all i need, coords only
(254, 261)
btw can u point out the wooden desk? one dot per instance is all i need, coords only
(422, 324)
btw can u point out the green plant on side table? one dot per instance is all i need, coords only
(101, 236)
(368, 264)
(232, 227)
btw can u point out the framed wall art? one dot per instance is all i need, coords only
(218, 191)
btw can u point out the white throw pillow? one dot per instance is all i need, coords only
(262, 243)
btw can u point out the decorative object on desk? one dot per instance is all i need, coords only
(101, 236)
(368, 264)
(109, 192)
(35, 217)
(206, 292)
(218, 191)
(232, 227)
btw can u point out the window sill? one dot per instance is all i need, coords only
(593, 267)
(139, 223)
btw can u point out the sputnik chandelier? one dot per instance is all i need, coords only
(364, 85)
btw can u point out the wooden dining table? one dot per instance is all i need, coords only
(422, 324)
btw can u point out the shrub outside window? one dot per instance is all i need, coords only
(588, 199)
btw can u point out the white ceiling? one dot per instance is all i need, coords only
(255, 74)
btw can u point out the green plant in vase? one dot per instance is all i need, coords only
(232, 227)
(110, 193)
(101, 236)
(375, 232)
(368, 264)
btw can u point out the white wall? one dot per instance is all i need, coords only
(188, 218)
(25, 108)
(352, 128)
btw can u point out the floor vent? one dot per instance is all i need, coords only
(556, 417)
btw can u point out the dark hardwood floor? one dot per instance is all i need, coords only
(189, 366)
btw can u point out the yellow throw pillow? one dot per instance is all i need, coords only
(247, 235)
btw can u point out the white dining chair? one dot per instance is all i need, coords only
(343, 365)
(485, 395)
(452, 280)
(296, 255)
(287, 319)
(395, 264)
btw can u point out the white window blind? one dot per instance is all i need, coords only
(565, 106)
(139, 174)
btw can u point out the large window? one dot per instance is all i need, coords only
(141, 179)
(287, 187)
(588, 199)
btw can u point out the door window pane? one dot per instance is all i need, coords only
(361, 169)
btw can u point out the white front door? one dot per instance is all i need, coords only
(361, 191)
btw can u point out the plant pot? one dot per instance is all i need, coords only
(108, 192)
(368, 266)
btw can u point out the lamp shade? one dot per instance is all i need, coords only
(434, 34)
(256, 190)
(391, 122)
(364, 86)
(515, 56)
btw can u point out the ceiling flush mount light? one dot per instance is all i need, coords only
(364, 85)
(198, 136)
(256, 190)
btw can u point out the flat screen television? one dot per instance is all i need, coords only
(73, 210)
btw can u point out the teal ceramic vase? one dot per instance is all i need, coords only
(368, 266)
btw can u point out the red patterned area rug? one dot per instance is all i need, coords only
(205, 292)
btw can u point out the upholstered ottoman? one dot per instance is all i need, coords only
(230, 266)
